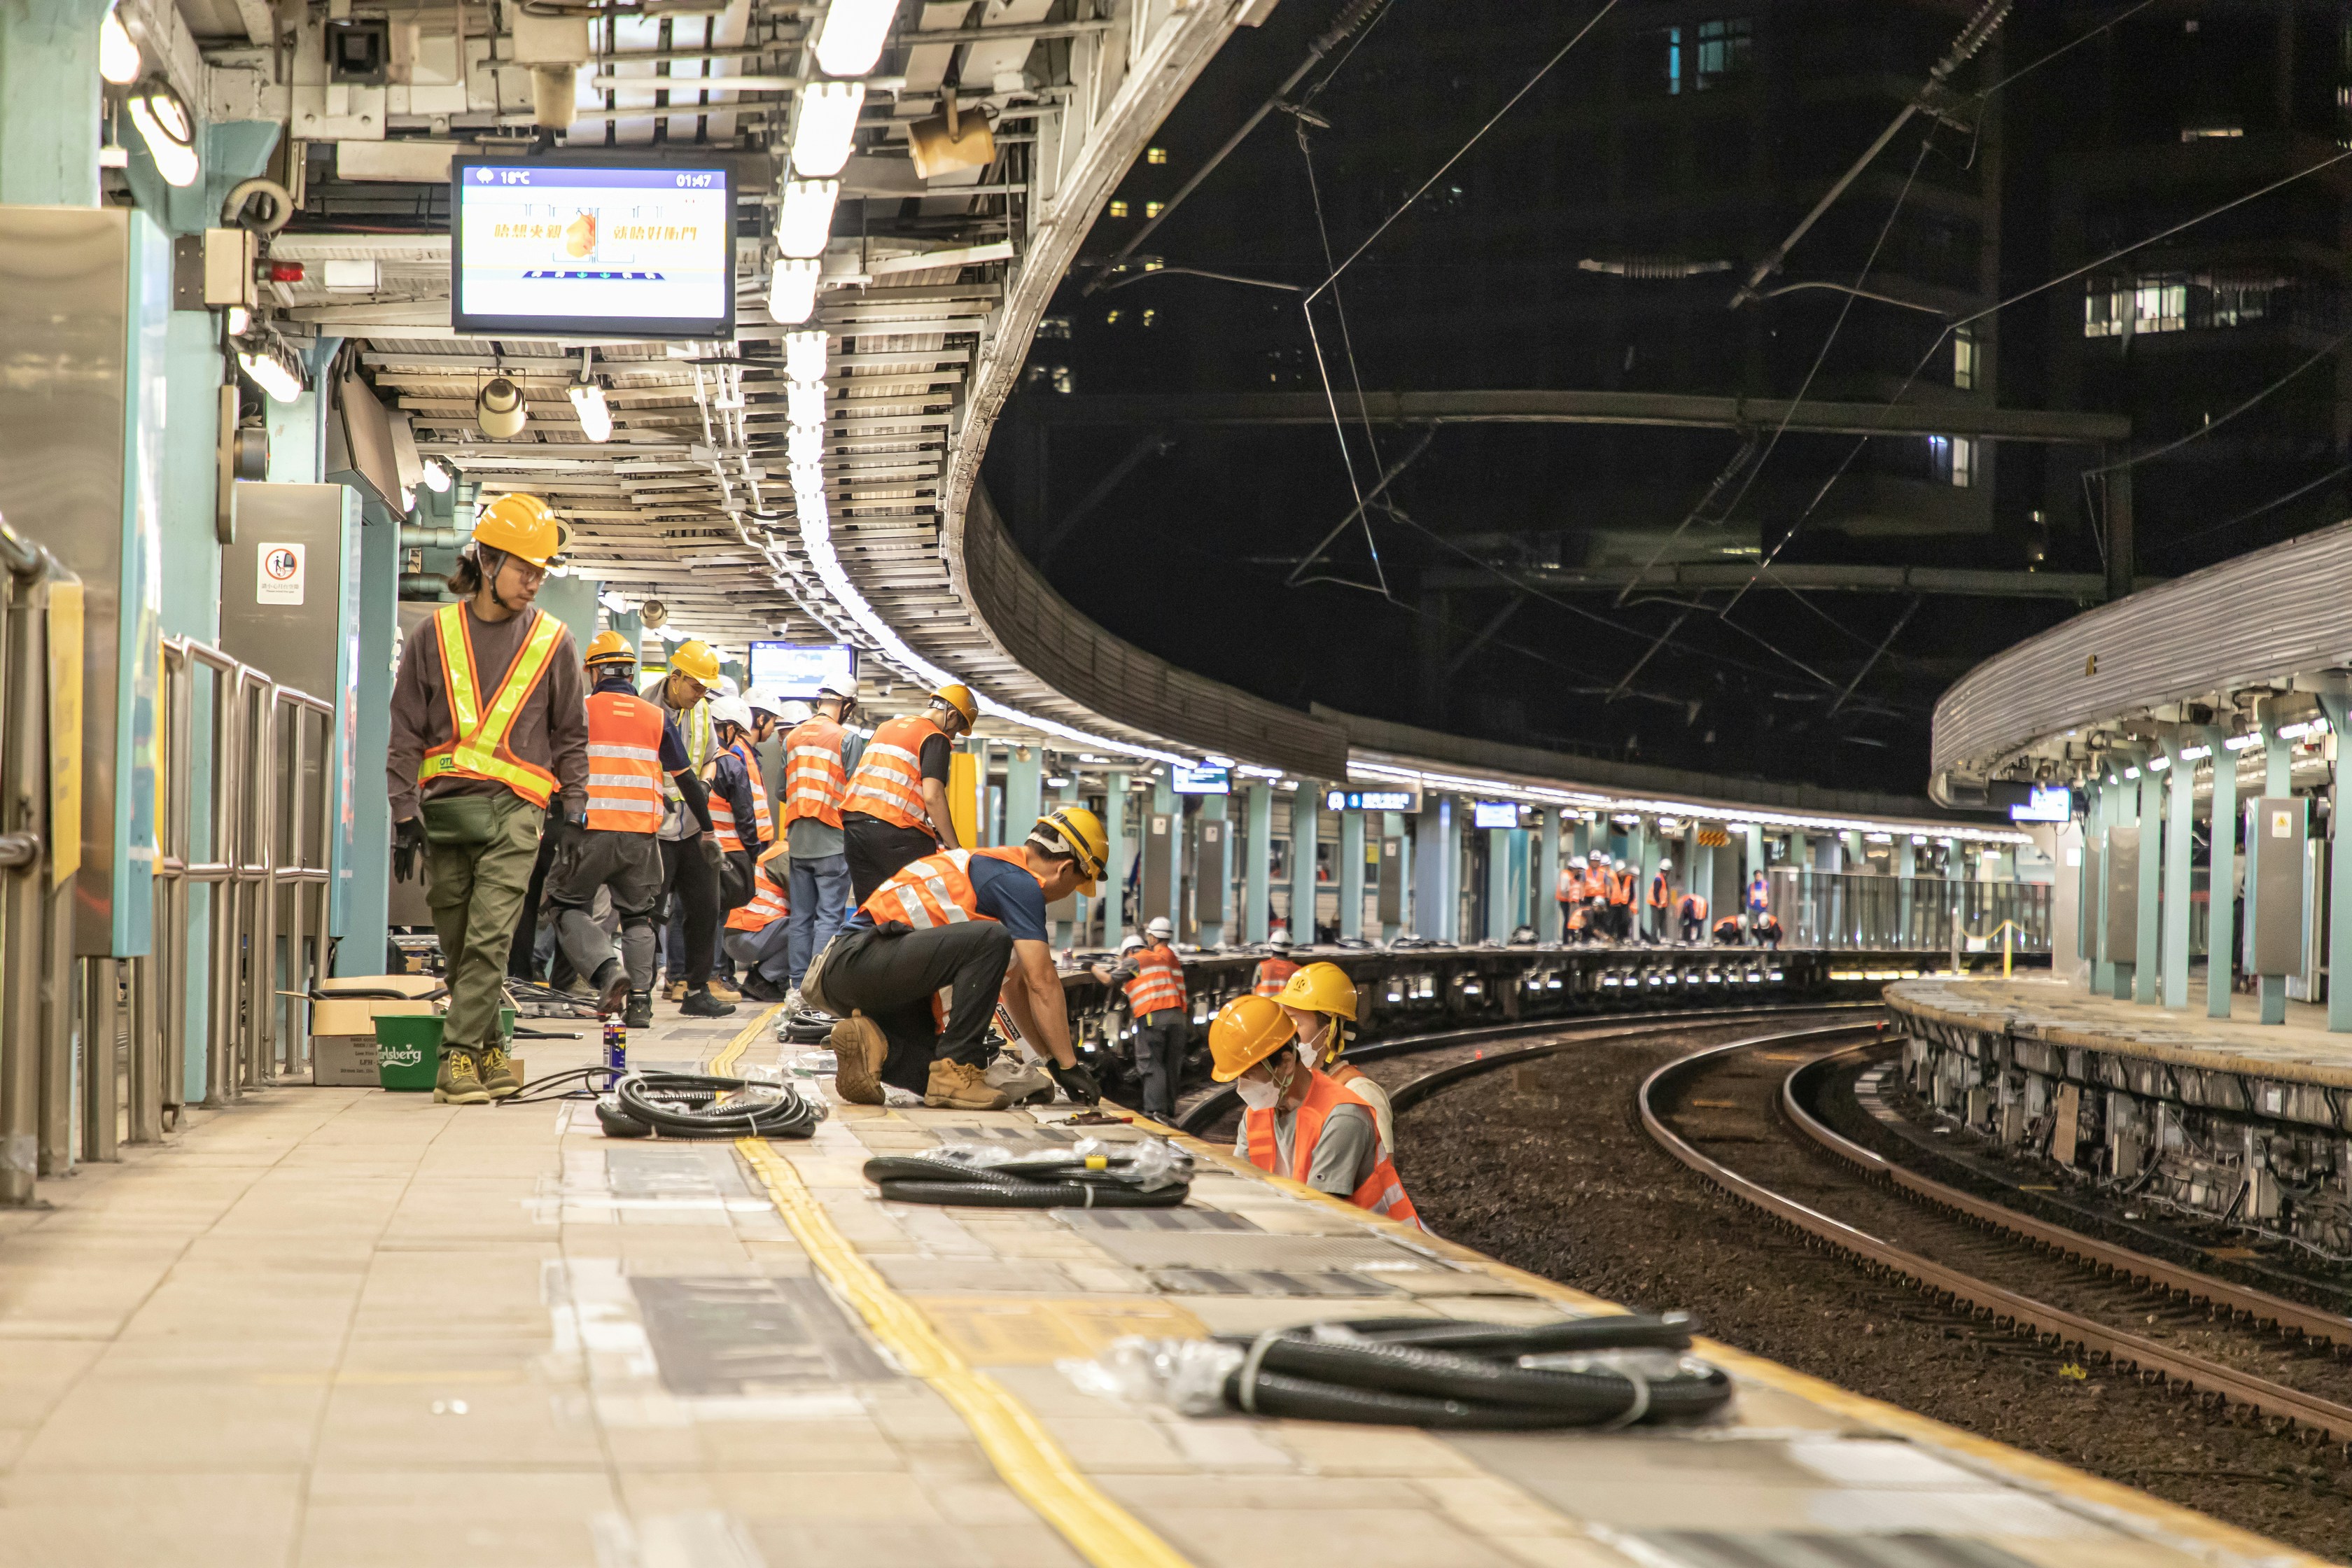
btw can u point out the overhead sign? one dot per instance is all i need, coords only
(1198, 781)
(1494, 814)
(570, 249)
(795, 670)
(2048, 803)
(1406, 800)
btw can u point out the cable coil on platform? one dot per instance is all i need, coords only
(696, 1105)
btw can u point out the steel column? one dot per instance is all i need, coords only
(1257, 861)
(1305, 826)
(1351, 874)
(2145, 951)
(1114, 890)
(2221, 878)
(2181, 781)
(1547, 878)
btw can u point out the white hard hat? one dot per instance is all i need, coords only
(839, 690)
(1278, 937)
(727, 687)
(1664, 864)
(1161, 927)
(1129, 943)
(798, 712)
(731, 710)
(763, 700)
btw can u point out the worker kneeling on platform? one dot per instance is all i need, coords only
(1300, 1123)
(916, 973)
(1320, 1002)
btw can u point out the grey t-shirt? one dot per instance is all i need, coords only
(1344, 1155)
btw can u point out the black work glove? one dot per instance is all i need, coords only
(1076, 1081)
(407, 845)
(708, 848)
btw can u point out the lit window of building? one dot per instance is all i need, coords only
(1723, 47)
(1672, 37)
(1155, 154)
(2212, 132)
(1964, 358)
(1118, 209)
(1151, 209)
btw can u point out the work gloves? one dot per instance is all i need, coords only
(407, 845)
(1076, 1081)
(711, 854)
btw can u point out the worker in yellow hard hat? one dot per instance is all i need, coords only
(1300, 1123)
(918, 971)
(1320, 1002)
(896, 810)
(489, 729)
(690, 856)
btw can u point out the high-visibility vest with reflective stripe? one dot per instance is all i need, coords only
(1691, 907)
(478, 747)
(1661, 892)
(722, 816)
(770, 901)
(1272, 973)
(1571, 885)
(701, 740)
(1760, 895)
(759, 817)
(624, 771)
(1621, 888)
(1159, 982)
(815, 780)
(1381, 1192)
(888, 782)
(722, 822)
(936, 891)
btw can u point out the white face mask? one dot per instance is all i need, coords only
(1310, 1057)
(1257, 1093)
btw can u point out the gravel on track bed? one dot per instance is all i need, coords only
(1544, 1165)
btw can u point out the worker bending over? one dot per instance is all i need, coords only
(1300, 1123)
(896, 809)
(818, 756)
(1274, 972)
(1153, 978)
(916, 975)
(1320, 1002)
(634, 748)
(488, 724)
(1690, 911)
(758, 933)
(1727, 933)
(690, 874)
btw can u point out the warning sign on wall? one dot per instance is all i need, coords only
(278, 573)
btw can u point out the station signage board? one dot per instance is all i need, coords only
(1404, 800)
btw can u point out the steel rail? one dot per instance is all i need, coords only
(1979, 1295)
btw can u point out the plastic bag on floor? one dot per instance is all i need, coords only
(1024, 1081)
(1187, 1375)
(1150, 1163)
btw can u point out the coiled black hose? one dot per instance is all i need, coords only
(1423, 1374)
(688, 1105)
(1050, 1182)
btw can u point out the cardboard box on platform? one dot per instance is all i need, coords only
(342, 1029)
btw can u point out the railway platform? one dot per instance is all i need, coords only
(335, 1326)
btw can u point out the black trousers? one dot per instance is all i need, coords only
(877, 851)
(688, 879)
(893, 979)
(523, 958)
(1160, 1042)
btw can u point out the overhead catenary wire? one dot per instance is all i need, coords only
(2297, 494)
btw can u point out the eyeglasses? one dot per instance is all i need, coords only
(528, 575)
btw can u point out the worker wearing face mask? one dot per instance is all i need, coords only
(1298, 1122)
(1320, 1002)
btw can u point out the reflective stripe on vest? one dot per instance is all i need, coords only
(722, 822)
(815, 780)
(1661, 894)
(1571, 887)
(701, 742)
(1692, 908)
(1159, 982)
(770, 903)
(1272, 974)
(1621, 888)
(759, 817)
(624, 771)
(888, 782)
(478, 747)
(1380, 1192)
(936, 891)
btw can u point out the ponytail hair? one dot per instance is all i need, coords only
(477, 564)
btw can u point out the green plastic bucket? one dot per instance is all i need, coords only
(407, 1050)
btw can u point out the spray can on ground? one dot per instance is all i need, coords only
(617, 1046)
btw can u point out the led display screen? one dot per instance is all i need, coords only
(795, 670)
(1198, 781)
(1494, 814)
(571, 249)
(2048, 803)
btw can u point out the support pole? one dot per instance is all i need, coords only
(1024, 772)
(1120, 856)
(1547, 887)
(2221, 880)
(2339, 872)
(1498, 883)
(2102, 963)
(2278, 761)
(1257, 881)
(2180, 789)
(1646, 866)
(1303, 826)
(1351, 874)
(1212, 879)
(2145, 950)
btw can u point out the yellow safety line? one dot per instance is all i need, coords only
(1036, 1467)
(723, 1064)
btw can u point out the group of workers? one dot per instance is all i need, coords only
(1596, 897)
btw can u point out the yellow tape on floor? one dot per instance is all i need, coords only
(723, 1064)
(1031, 1462)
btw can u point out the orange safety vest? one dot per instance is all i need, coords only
(1661, 893)
(1272, 974)
(770, 901)
(624, 771)
(478, 747)
(935, 890)
(1692, 908)
(1621, 887)
(815, 780)
(722, 816)
(1159, 982)
(1571, 885)
(1381, 1192)
(888, 783)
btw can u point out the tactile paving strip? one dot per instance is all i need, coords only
(1265, 1282)
(1156, 1219)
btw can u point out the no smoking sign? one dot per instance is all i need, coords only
(278, 575)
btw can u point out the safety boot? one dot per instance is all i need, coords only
(640, 1012)
(496, 1071)
(675, 991)
(858, 1047)
(611, 987)
(460, 1080)
(960, 1086)
(723, 991)
(760, 989)
(704, 1004)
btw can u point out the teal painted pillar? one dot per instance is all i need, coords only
(1547, 887)
(1351, 873)
(2180, 795)
(190, 606)
(1304, 824)
(1024, 792)
(632, 628)
(2339, 872)
(50, 99)
(1393, 826)
(572, 601)
(1433, 840)
(1166, 802)
(1211, 898)
(366, 932)
(1906, 871)
(1498, 883)
(2221, 878)
(2144, 957)
(2277, 762)
(1257, 864)
(2102, 963)
(1120, 856)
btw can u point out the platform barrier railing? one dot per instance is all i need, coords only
(1849, 910)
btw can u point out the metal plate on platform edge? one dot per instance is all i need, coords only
(1266, 1282)
(1779, 1549)
(1254, 1249)
(1156, 1219)
(734, 1334)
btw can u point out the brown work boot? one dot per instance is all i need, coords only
(675, 991)
(724, 992)
(858, 1047)
(460, 1081)
(960, 1086)
(497, 1070)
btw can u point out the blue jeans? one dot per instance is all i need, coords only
(820, 904)
(761, 953)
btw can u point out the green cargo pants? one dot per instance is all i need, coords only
(476, 892)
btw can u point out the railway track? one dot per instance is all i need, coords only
(1743, 1114)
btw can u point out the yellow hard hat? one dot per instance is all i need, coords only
(524, 527)
(609, 647)
(1082, 830)
(1246, 1031)
(959, 697)
(696, 659)
(1320, 988)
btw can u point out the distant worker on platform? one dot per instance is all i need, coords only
(689, 878)
(1690, 912)
(488, 725)
(1298, 1122)
(1766, 930)
(819, 754)
(634, 746)
(1569, 893)
(916, 973)
(739, 811)
(1274, 971)
(1320, 1002)
(1621, 902)
(758, 934)
(1153, 978)
(1660, 902)
(896, 809)
(1727, 933)
(1760, 895)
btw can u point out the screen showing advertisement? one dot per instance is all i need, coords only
(2048, 803)
(1494, 814)
(1198, 781)
(564, 248)
(795, 670)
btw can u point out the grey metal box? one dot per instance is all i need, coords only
(1158, 866)
(2088, 928)
(1392, 879)
(2123, 892)
(1211, 869)
(2275, 868)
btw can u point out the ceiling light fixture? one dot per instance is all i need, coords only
(824, 126)
(165, 126)
(849, 38)
(436, 476)
(791, 290)
(804, 404)
(270, 366)
(498, 411)
(118, 56)
(805, 356)
(804, 219)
